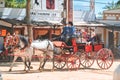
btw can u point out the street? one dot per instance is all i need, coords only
(17, 73)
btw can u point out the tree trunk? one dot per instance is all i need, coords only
(28, 21)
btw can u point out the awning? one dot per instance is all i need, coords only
(110, 24)
(7, 28)
(14, 21)
(89, 24)
(16, 16)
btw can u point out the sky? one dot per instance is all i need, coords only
(84, 5)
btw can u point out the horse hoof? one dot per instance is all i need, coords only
(41, 70)
(24, 70)
(10, 70)
(31, 67)
(27, 71)
(52, 70)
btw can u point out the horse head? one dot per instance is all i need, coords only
(20, 43)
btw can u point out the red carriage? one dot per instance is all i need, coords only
(67, 57)
(83, 54)
(90, 53)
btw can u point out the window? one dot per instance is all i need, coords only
(50, 4)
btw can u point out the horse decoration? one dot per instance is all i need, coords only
(22, 49)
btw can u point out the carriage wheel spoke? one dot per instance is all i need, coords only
(105, 58)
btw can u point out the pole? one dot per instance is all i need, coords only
(67, 10)
(112, 45)
(29, 27)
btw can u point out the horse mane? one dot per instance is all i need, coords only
(24, 40)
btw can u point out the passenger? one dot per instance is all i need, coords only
(78, 36)
(84, 36)
(93, 36)
(78, 33)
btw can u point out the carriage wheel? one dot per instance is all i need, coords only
(105, 58)
(87, 59)
(59, 62)
(73, 62)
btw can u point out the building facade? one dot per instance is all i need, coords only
(112, 19)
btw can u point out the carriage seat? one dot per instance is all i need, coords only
(63, 46)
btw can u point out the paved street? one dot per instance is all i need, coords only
(93, 73)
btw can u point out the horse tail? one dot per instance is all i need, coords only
(51, 45)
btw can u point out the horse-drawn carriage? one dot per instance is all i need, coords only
(82, 54)
(70, 56)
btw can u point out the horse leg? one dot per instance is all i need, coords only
(51, 54)
(44, 63)
(15, 58)
(41, 61)
(24, 61)
(52, 64)
(29, 64)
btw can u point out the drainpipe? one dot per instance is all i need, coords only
(112, 44)
(67, 1)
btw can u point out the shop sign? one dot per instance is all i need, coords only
(3, 32)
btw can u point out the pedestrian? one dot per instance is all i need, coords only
(92, 36)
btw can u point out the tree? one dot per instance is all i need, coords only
(27, 18)
(112, 5)
(118, 4)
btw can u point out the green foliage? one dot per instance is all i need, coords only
(113, 5)
(15, 3)
(118, 3)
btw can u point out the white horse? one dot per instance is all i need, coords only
(25, 51)
(22, 49)
(47, 49)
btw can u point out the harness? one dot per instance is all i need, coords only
(45, 50)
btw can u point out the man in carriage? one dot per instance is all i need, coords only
(68, 33)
